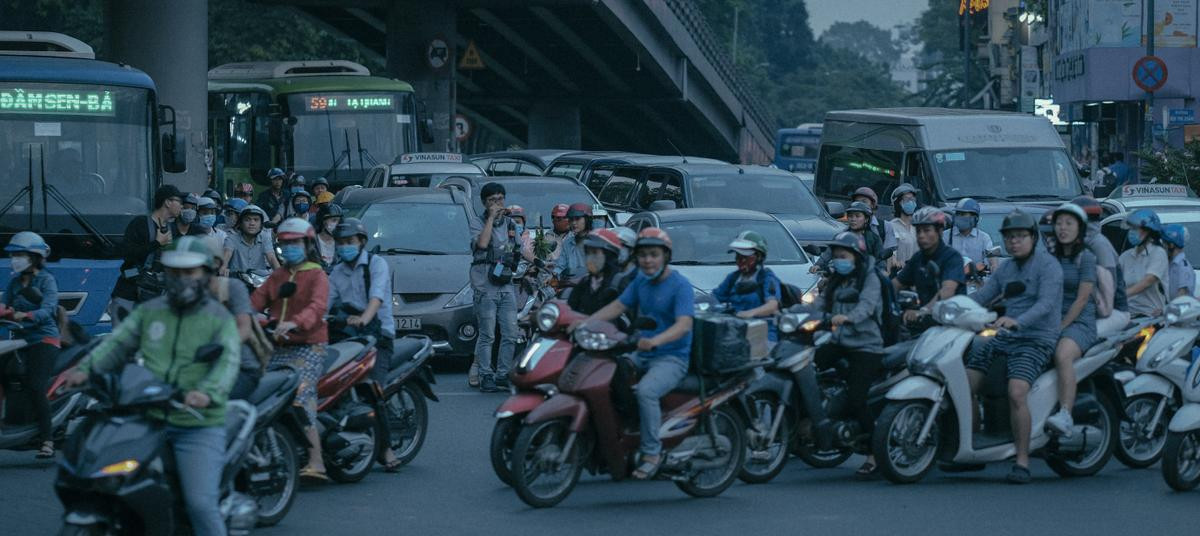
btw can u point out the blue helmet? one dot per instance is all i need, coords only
(28, 242)
(275, 172)
(1146, 219)
(236, 204)
(967, 204)
(1175, 235)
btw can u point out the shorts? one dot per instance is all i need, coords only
(1026, 357)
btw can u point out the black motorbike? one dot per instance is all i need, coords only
(117, 474)
(269, 474)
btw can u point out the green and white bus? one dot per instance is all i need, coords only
(326, 118)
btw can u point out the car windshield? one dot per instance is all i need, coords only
(538, 197)
(371, 128)
(1006, 174)
(439, 229)
(772, 194)
(84, 148)
(570, 170)
(706, 242)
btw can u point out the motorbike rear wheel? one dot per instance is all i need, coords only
(711, 482)
(894, 442)
(536, 454)
(504, 436)
(277, 447)
(803, 447)
(1092, 461)
(1181, 460)
(408, 422)
(772, 451)
(1133, 447)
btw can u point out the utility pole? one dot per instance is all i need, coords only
(1150, 94)
(733, 47)
(966, 49)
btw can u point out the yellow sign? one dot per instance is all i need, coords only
(471, 61)
(975, 6)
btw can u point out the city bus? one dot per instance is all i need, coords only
(79, 158)
(796, 148)
(327, 118)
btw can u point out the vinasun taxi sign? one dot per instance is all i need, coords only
(975, 6)
(1154, 190)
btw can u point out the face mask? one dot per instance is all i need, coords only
(184, 292)
(188, 215)
(347, 253)
(292, 253)
(301, 207)
(520, 229)
(208, 220)
(746, 264)
(908, 206)
(964, 223)
(595, 262)
(20, 264)
(329, 227)
(1135, 237)
(221, 219)
(842, 266)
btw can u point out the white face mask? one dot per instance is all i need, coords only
(20, 264)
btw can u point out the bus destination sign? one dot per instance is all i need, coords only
(349, 103)
(19, 100)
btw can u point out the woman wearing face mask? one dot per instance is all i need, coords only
(28, 252)
(750, 250)
(301, 332)
(186, 224)
(601, 250)
(327, 220)
(300, 203)
(904, 205)
(853, 298)
(1145, 264)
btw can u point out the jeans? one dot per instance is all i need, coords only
(199, 459)
(490, 308)
(660, 374)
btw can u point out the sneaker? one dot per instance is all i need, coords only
(473, 376)
(1061, 422)
(487, 384)
(502, 382)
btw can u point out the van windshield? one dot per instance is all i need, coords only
(1006, 174)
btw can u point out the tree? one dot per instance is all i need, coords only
(938, 30)
(872, 42)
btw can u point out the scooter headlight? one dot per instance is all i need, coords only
(117, 469)
(593, 340)
(547, 316)
(790, 322)
(947, 312)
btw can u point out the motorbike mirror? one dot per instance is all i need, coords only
(846, 295)
(209, 353)
(287, 290)
(645, 323)
(32, 294)
(1013, 289)
(812, 249)
(887, 253)
(995, 251)
(745, 287)
(908, 299)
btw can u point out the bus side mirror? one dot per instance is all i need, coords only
(426, 128)
(174, 148)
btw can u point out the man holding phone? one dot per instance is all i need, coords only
(145, 237)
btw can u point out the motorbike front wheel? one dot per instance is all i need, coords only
(803, 447)
(544, 472)
(1138, 446)
(766, 454)
(408, 422)
(1181, 460)
(727, 462)
(900, 457)
(273, 455)
(504, 436)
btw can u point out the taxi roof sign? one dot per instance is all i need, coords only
(422, 158)
(1154, 190)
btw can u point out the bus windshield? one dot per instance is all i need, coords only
(355, 130)
(1020, 174)
(74, 148)
(797, 152)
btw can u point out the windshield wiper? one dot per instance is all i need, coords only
(1035, 196)
(977, 198)
(409, 251)
(48, 190)
(701, 263)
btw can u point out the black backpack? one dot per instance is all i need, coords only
(788, 294)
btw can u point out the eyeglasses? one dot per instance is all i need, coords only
(496, 199)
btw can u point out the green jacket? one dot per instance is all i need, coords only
(167, 342)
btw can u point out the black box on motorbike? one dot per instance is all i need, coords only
(722, 343)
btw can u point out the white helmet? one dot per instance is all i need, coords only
(28, 242)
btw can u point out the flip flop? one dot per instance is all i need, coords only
(313, 476)
(1019, 475)
(393, 467)
(45, 453)
(866, 470)
(647, 469)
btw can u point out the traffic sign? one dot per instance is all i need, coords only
(437, 54)
(462, 127)
(471, 60)
(1150, 73)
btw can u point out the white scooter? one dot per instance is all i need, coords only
(1181, 453)
(929, 415)
(1154, 395)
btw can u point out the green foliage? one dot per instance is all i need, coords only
(1173, 165)
(872, 42)
(938, 30)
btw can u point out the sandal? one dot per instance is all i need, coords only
(1019, 475)
(867, 470)
(46, 452)
(393, 466)
(647, 469)
(309, 475)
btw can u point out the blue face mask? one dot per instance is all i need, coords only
(292, 253)
(842, 266)
(301, 207)
(964, 223)
(1135, 237)
(347, 253)
(208, 220)
(909, 206)
(221, 219)
(520, 229)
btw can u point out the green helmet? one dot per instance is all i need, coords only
(748, 242)
(188, 252)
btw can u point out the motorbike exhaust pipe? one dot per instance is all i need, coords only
(1082, 437)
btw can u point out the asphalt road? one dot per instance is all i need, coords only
(450, 489)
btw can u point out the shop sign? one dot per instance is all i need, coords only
(1069, 67)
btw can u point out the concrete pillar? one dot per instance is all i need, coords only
(169, 41)
(411, 26)
(554, 126)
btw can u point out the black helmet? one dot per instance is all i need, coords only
(851, 241)
(298, 180)
(1020, 220)
(322, 181)
(329, 210)
(931, 216)
(859, 206)
(350, 227)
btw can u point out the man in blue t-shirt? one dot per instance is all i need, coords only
(666, 296)
(931, 284)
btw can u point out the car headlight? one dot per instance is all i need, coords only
(465, 297)
(593, 340)
(790, 322)
(547, 316)
(810, 296)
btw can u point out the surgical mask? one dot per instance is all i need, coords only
(1135, 237)
(20, 264)
(292, 253)
(188, 215)
(185, 292)
(301, 207)
(208, 220)
(908, 206)
(964, 223)
(594, 260)
(842, 266)
(347, 253)
(520, 229)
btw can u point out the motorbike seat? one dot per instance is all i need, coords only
(895, 357)
(273, 382)
(405, 349)
(690, 384)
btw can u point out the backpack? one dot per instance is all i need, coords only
(787, 293)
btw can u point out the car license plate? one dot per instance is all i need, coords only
(408, 323)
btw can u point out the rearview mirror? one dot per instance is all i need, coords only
(933, 269)
(209, 353)
(995, 251)
(835, 209)
(812, 249)
(426, 128)
(172, 146)
(662, 204)
(287, 290)
(887, 253)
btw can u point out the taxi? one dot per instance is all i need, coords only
(421, 170)
(1174, 203)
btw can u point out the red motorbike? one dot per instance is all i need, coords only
(581, 425)
(533, 380)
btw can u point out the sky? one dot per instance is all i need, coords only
(882, 13)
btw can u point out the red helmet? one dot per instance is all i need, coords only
(1090, 206)
(604, 239)
(580, 210)
(293, 228)
(243, 188)
(559, 211)
(867, 193)
(653, 236)
(515, 211)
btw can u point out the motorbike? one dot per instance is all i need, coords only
(582, 425)
(929, 415)
(251, 278)
(117, 475)
(409, 383)
(269, 473)
(533, 381)
(1181, 451)
(535, 286)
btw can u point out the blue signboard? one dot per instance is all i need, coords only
(1181, 116)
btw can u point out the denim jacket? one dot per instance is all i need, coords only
(44, 322)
